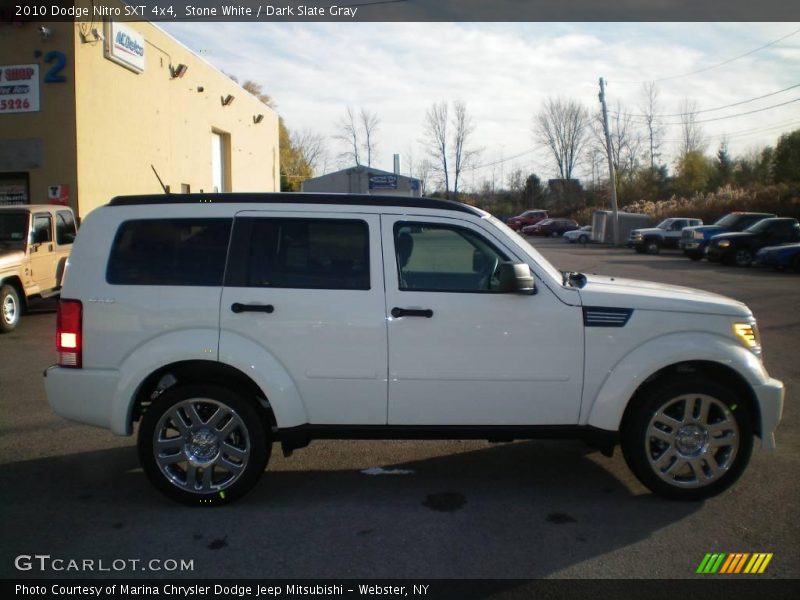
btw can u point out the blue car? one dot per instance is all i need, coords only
(786, 256)
(694, 240)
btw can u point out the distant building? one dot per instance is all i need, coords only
(86, 109)
(364, 180)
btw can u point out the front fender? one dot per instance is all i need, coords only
(607, 406)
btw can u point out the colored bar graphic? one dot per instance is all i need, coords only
(703, 563)
(735, 563)
(765, 563)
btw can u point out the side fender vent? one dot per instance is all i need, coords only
(601, 316)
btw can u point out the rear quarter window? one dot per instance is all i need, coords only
(169, 252)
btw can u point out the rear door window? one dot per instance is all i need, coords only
(331, 254)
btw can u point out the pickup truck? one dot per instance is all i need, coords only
(666, 234)
(35, 241)
(694, 240)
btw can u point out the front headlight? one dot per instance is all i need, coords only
(724, 243)
(747, 333)
(698, 235)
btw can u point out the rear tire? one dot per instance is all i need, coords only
(796, 263)
(10, 308)
(583, 239)
(688, 439)
(203, 445)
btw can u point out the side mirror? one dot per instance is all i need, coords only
(515, 278)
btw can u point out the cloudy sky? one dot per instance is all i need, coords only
(504, 72)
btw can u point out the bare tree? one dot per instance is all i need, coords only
(423, 173)
(369, 124)
(436, 122)
(462, 153)
(348, 134)
(562, 127)
(692, 137)
(652, 121)
(625, 140)
(310, 147)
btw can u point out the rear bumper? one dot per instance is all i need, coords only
(770, 401)
(82, 395)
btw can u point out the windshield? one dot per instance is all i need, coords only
(664, 224)
(13, 227)
(760, 226)
(586, 228)
(727, 220)
(526, 248)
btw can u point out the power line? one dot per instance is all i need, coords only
(715, 66)
(749, 112)
(742, 133)
(502, 160)
(697, 112)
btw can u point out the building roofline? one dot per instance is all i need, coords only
(295, 198)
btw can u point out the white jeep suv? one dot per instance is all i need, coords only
(225, 322)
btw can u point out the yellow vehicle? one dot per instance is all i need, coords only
(35, 241)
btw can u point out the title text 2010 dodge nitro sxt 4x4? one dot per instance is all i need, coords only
(224, 323)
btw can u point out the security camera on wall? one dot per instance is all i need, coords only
(45, 32)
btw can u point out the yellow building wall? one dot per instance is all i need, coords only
(127, 122)
(104, 127)
(54, 124)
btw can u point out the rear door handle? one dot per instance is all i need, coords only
(398, 312)
(237, 307)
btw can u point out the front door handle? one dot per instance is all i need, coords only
(398, 312)
(237, 307)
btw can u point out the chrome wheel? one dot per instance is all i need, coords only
(10, 309)
(692, 440)
(201, 445)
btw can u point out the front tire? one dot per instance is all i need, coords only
(10, 308)
(743, 257)
(583, 239)
(689, 439)
(694, 255)
(652, 247)
(203, 444)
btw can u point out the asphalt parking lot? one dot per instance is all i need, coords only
(457, 510)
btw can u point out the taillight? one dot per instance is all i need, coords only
(69, 325)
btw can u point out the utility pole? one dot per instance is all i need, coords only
(611, 176)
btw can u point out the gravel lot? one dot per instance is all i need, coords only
(466, 510)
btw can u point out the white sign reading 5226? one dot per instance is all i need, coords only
(19, 88)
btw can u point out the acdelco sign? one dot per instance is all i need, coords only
(125, 46)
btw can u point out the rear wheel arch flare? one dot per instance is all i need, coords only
(203, 372)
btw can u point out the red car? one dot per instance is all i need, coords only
(551, 227)
(529, 217)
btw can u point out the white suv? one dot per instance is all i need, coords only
(224, 323)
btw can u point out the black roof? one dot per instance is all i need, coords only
(294, 198)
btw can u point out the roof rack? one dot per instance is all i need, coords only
(294, 198)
